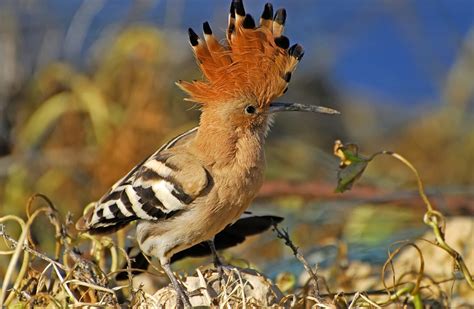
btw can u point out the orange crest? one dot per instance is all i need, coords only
(255, 65)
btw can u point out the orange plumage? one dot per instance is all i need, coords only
(254, 64)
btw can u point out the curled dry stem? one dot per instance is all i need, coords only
(435, 220)
(25, 245)
(415, 288)
(21, 244)
(129, 266)
(421, 189)
(52, 215)
(99, 246)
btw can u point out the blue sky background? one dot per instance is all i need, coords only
(398, 51)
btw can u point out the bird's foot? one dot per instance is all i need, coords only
(223, 270)
(183, 299)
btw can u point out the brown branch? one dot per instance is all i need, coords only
(453, 203)
(283, 234)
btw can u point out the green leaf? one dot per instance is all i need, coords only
(348, 175)
(352, 165)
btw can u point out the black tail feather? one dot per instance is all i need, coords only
(232, 235)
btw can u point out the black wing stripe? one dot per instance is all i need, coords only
(126, 201)
(149, 174)
(181, 196)
(100, 213)
(147, 195)
(152, 211)
(113, 195)
(115, 210)
(125, 180)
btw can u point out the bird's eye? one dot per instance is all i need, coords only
(250, 109)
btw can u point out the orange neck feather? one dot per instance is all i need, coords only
(220, 144)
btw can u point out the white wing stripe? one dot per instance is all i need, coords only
(136, 205)
(159, 167)
(123, 209)
(95, 218)
(107, 214)
(163, 191)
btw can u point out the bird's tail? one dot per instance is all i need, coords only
(232, 235)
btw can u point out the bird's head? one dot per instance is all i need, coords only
(243, 78)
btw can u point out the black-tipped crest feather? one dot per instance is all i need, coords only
(267, 11)
(193, 37)
(280, 16)
(207, 28)
(282, 41)
(248, 22)
(232, 10)
(296, 51)
(239, 7)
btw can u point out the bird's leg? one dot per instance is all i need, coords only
(217, 261)
(215, 257)
(182, 297)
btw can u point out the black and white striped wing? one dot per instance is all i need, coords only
(153, 190)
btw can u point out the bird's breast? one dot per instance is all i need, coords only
(235, 188)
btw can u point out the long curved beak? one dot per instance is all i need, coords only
(296, 107)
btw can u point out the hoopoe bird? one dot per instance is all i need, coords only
(203, 180)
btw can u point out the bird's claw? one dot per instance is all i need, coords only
(183, 299)
(221, 270)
